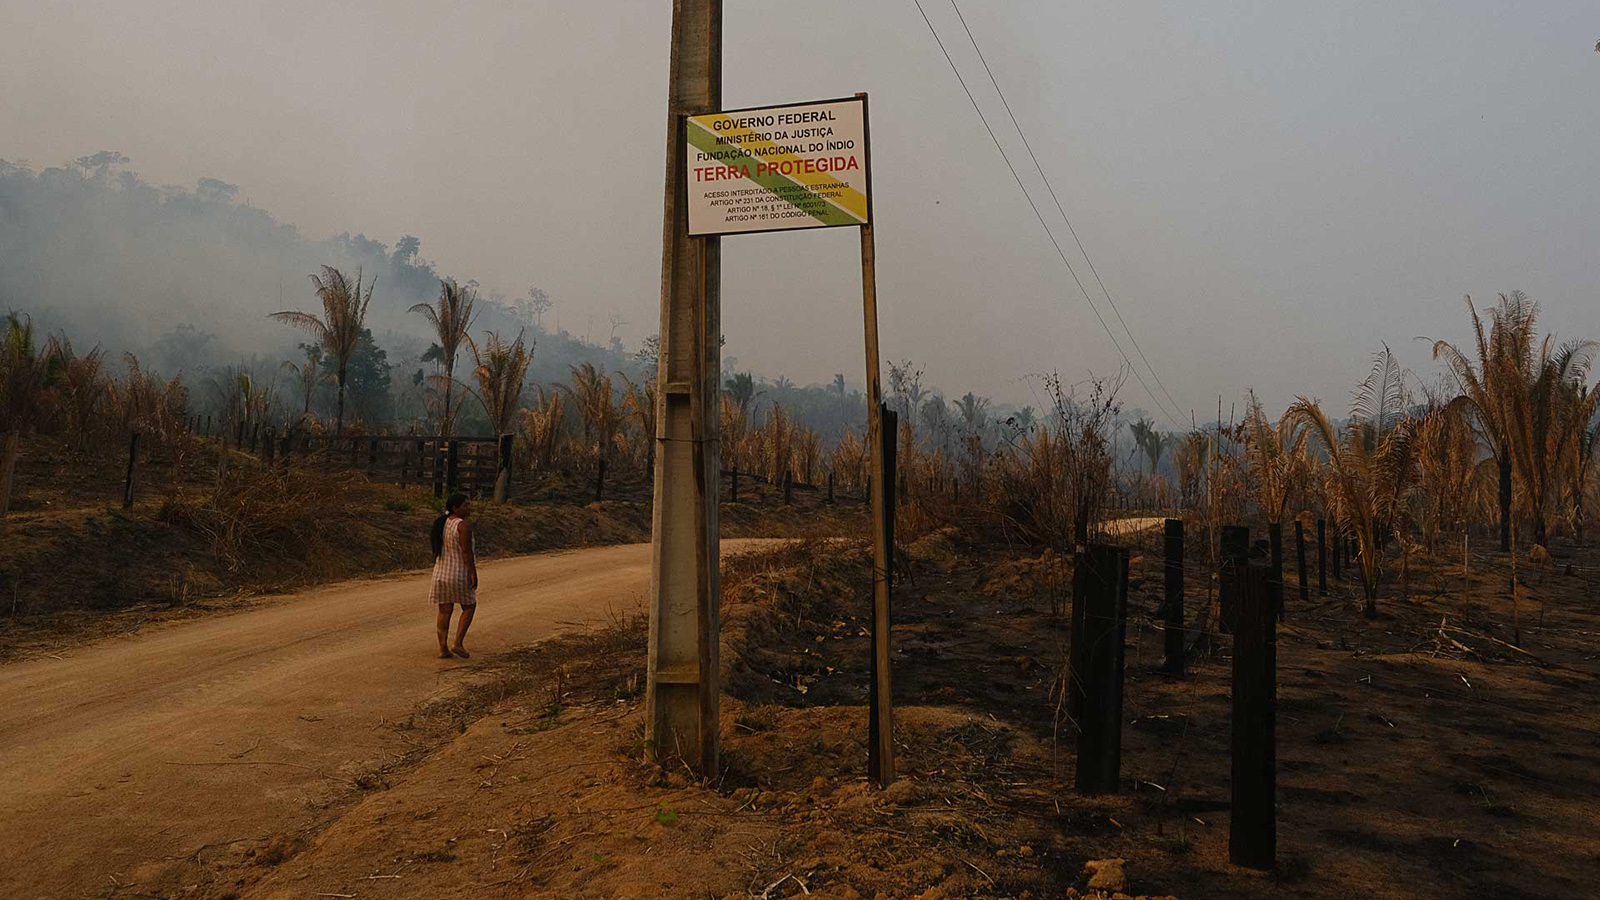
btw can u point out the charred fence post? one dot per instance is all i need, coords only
(1235, 542)
(1322, 558)
(133, 462)
(1099, 606)
(452, 466)
(255, 436)
(372, 455)
(502, 481)
(1275, 543)
(788, 487)
(830, 486)
(208, 425)
(438, 468)
(600, 480)
(1253, 833)
(269, 446)
(1300, 558)
(1174, 598)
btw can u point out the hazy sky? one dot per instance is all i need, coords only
(1268, 189)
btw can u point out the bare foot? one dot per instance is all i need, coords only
(444, 653)
(461, 652)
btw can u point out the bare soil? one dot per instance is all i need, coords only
(1411, 763)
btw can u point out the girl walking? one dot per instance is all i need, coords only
(455, 573)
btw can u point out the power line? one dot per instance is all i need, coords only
(1042, 224)
(1064, 217)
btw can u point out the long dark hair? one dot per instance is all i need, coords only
(437, 533)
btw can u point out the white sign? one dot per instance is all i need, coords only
(778, 167)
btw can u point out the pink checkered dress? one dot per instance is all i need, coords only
(452, 578)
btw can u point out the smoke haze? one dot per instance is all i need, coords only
(1268, 190)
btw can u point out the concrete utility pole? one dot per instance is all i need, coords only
(683, 689)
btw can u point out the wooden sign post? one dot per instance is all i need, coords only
(880, 756)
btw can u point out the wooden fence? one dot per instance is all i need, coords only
(472, 465)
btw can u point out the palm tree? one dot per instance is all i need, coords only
(83, 387)
(500, 370)
(1370, 467)
(1276, 457)
(1546, 420)
(309, 374)
(591, 391)
(1447, 457)
(1492, 380)
(974, 412)
(451, 320)
(640, 402)
(28, 373)
(1587, 441)
(541, 427)
(742, 388)
(1149, 440)
(338, 329)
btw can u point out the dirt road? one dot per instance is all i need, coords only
(126, 758)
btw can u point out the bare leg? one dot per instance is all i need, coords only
(461, 630)
(443, 627)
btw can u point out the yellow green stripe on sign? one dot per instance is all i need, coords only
(851, 200)
(789, 189)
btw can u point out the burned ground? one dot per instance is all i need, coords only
(1413, 761)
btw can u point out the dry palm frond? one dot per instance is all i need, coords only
(309, 374)
(1368, 476)
(808, 452)
(500, 369)
(542, 428)
(848, 461)
(451, 321)
(774, 443)
(1578, 485)
(591, 392)
(1492, 382)
(1446, 467)
(84, 389)
(734, 423)
(1275, 453)
(639, 401)
(1546, 420)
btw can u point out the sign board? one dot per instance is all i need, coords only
(776, 168)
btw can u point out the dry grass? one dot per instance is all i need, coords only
(259, 509)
